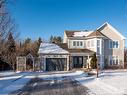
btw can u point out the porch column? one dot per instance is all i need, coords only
(67, 62)
(84, 61)
(88, 62)
(71, 62)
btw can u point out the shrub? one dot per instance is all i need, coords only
(94, 61)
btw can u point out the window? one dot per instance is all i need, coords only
(114, 60)
(98, 46)
(77, 43)
(114, 44)
(74, 43)
(98, 43)
(80, 43)
(110, 44)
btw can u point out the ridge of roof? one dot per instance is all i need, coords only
(96, 33)
(106, 24)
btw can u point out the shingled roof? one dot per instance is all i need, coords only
(70, 33)
(64, 46)
(96, 34)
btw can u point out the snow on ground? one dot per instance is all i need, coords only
(63, 74)
(7, 73)
(110, 82)
(11, 83)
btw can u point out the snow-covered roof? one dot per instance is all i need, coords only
(82, 33)
(50, 48)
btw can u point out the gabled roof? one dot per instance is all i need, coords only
(70, 33)
(106, 24)
(96, 33)
(51, 48)
(74, 33)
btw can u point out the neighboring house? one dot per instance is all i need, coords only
(106, 41)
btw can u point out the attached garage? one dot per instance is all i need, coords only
(56, 64)
(53, 58)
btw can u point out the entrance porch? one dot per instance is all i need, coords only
(80, 60)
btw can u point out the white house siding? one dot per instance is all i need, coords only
(78, 47)
(93, 48)
(65, 39)
(112, 35)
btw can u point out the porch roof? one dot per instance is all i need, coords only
(64, 46)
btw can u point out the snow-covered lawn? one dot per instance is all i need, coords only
(14, 82)
(110, 82)
(7, 73)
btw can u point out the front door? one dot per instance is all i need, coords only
(78, 61)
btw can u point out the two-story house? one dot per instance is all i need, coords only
(106, 41)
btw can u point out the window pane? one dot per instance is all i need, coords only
(113, 60)
(110, 44)
(98, 50)
(116, 44)
(116, 60)
(98, 43)
(110, 61)
(77, 43)
(80, 43)
(74, 43)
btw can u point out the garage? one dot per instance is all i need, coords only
(56, 64)
(53, 57)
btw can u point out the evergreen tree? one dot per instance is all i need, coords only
(11, 51)
(59, 39)
(51, 39)
(94, 61)
(39, 41)
(11, 43)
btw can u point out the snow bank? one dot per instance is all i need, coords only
(7, 73)
(12, 83)
(108, 83)
(59, 76)
(51, 48)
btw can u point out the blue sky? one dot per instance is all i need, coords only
(42, 18)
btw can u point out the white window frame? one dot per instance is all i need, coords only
(111, 58)
(111, 41)
(73, 43)
(80, 42)
(77, 43)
